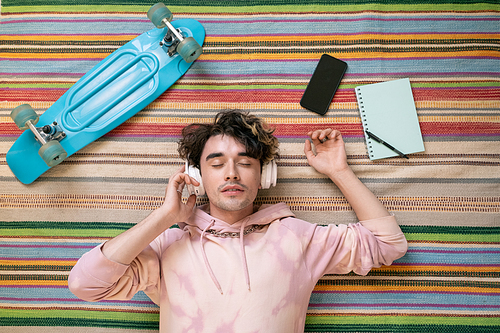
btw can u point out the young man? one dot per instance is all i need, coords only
(233, 266)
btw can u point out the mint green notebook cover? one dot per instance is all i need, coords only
(388, 110)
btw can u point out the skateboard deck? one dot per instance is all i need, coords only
(114, 90)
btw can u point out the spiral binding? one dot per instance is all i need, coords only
(364, 121)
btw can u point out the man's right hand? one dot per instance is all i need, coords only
(173, 205)
(126, 246)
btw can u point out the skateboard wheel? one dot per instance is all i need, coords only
(52, 153)
(159, 12)
(22, 114)
(189, 49)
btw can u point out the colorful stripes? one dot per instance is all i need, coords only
(442, 286)
(258, 56)
(35, 260)
(435, 280)
(305, 204)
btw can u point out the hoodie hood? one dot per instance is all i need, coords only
(202, 223)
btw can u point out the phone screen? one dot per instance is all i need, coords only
(323, 84)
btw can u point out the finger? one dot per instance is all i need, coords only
(314, 135)
(325, 135)
(308, 150)
(178, 171)
(307, 146)
(173, 181)
(320, 135)
(182, 179)
(191, 201)
(335, 135)
(191, 181)
(177, 181)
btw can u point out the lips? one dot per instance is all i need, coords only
(232, 189)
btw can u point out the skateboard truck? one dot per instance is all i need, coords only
(48, 136)
(187, 47)
(47, 133)
(171, 39)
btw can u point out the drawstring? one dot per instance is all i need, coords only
(207, 264)
(243, 256)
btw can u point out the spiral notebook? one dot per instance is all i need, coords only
(388, 110)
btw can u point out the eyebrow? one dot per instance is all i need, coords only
(215, 155)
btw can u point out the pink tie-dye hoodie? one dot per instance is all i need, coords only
(256, 281)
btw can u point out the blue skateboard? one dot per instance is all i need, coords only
(110, 93)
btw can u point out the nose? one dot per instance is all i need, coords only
(231, 172)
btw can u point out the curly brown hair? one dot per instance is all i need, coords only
(249, 130)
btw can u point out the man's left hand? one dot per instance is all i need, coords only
(330, 157)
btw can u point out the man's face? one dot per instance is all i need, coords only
(230, 177)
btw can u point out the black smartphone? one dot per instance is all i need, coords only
(323, 84)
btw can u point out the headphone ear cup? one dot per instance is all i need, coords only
(200, 190)
(274, 173)
(193, 172)
(264, 177)
(269, 175)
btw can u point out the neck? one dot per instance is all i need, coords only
(230, 217)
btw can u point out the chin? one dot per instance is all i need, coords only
(233, 205)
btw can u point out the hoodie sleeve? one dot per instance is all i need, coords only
(355, 247)
(95, 277)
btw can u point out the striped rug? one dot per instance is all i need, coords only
(258, 56)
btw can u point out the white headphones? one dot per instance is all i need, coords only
(194, 173)
(268, 177)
